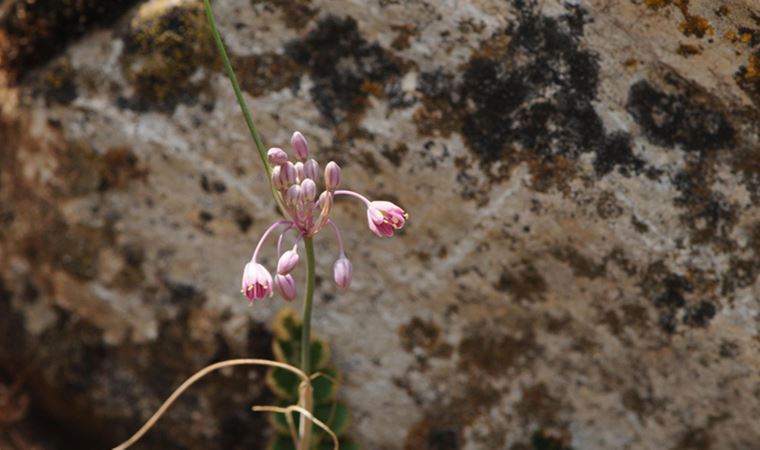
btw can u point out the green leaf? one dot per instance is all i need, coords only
(286, 325)
(325, 387)
(283, 383)
(320, 354)
(281, 442)
(345, 444)
(334, 416)
(349, 445)
(287, 351)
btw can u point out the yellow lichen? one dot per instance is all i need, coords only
(752, 72)
(167, 42)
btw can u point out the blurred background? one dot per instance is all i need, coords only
(580, 265)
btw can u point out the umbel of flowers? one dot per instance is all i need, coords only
(298, 182)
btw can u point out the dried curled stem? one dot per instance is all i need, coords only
(289, 411)
(220, 365)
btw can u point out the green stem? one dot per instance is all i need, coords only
(306, 392)
(241, 101)
(307, 302)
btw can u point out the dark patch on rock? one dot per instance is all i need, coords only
(396, 154)
(695, 439)
(495, 353)
(56, 83)
(528, 99)
(527, 284)
(32, 32)
(581, 265)
(268, 72)
(685, 118)
(741, 274)
(429, 435)
(687, 50)
(243, 219)
(616, 151)
(542, 440)
(419, 333)
(212, 186)
(538, 405)
(707, 214)
(445, 420)
(90, 171)
(748, 77)
(296, 14)
(671, 300)
(607, 206)
(162, 50)
(699, 315)
(345, 68)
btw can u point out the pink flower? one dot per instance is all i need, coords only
(342, 271)
(257, 282)
(384, 218)
(286, 286)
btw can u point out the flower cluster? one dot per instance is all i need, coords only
(298, 182)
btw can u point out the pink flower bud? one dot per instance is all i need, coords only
(257, 281)
(311, 169)
(300, 171)
(286, 286)
(300, 146)
(277, 177)
(332, 175)
(342, 272)
(277, 156)
(294, 195)
(309, 189)
(384, 218)
(288, 174)
(287, 262)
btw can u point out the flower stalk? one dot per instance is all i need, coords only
(306, 394)
(241, 101)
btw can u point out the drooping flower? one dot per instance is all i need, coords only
(384, 218)
(257, 281)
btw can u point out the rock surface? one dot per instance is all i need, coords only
(579, 271)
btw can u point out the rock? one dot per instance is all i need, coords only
(579, 269)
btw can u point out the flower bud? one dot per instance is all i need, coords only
(287, 262)
(277, 156)
(332, 175)
(286, 286)
(288, 174)
(293, 195)
(342, 272)
(277, 177)
(300, 171)
(300, 146)
(309, 190)
(311, 169)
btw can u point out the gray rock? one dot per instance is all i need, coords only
(579, 269)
